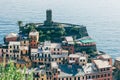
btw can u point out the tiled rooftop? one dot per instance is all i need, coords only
(12, 35)
(105, 56)
(33, 33)
(69, 39)
(102, 63)
(14, 43)
(70, 70)
(118, 59)
(55, 45)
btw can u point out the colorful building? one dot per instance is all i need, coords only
(14, 50)
(11, 37)
(34, 39)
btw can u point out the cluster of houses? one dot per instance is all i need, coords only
(55, 61)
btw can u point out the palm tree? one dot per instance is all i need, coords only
(20, 23)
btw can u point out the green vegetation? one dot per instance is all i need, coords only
(20, 23)
(10, 72)
(51, 34)
(116, 74)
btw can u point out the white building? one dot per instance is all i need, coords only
(78, 58)
(14, 49)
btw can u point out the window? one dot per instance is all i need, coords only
(59, 58)
(7, 55)
(55, 59)
(14, 46)
(10, 46)
(49, 60)
(104, 75)
(83, 60)
(45, 59)
(93, 77)
(104, 69)
(17, 47)
(108, 74)
(66, 78)
(14, 55)
(108, 69)
(10, 51)
(48, 55)
(73, 58)
(75, 78)
(2, 55)
(2, 50)
(45, 55)
(79, 78)
(55, 79)
(80, 60)
(83, 77)
(101, 75)
(24, 42)
(88, 77)
(98, 76)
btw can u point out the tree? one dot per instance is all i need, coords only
(31, 27)
(20, 23)
(10, 72)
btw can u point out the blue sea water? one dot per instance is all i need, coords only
(101, 17)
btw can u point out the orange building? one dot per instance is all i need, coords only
(34, 39)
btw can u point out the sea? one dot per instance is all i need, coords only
(101, 18)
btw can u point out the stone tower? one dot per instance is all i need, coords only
(48, 21)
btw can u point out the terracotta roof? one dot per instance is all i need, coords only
(11, 35)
